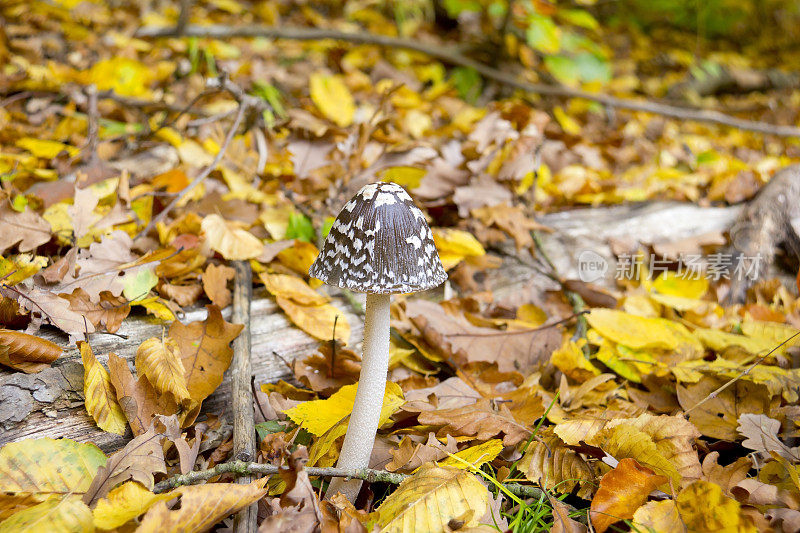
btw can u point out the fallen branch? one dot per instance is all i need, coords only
(242, 468)
(456, 58)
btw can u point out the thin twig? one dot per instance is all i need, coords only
(203, 175)
(93, 128)
(367, 474)
(743, 373)
(452, 57)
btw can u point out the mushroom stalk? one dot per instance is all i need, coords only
(357, 447)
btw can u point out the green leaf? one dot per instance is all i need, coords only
(272, 95)
(327, 225)
(579, 17)
(137, 285)
(269, 427)
(455, 7)
(592, 68)
(300, 228)
(563, 68)
(468, 83)
(543, 34)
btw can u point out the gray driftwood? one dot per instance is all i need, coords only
(50, 403)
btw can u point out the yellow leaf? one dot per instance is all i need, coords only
(317, 320)
(276, 220)
(704, 508)
(642, 332)
(298, 257)
(124, 76)
(571, 361)
(408, 177)
(215, 500)
(293, 288)
(232, 242)
(124, 503)
(332, 98)
(60, 221)
(568, 124)
(191, 153)
(720, 340)
(771, 334)
(319, 416)
(101, 399)
(455, 245)
(658, 517)
(20, 267)
(476, 455)
(67, 515)
(33, 470)
(778, 380)
(156, 307)
(161, 362)
(45, 148)
(431, 498)
(673, 284)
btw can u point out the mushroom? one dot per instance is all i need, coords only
(380, 244)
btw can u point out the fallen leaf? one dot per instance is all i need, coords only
(138, 399)
(659, 517)
(205, 351)
(161, 362)
(431, 498)
(138, 460)
(725, 476)
(35, 470)
(124, 503)
(554, 466)
(100, 397)
(67, 514)
(215, 284)
(215, 500)
(231, 241)
(622, 491)
(480, 421)
(333, 98)
(110, 311)
(317, 320)
(704, 508)
(29, 229)
(761, 434)
(409, 456)
(27, 353)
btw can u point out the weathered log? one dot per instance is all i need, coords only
(50, 403)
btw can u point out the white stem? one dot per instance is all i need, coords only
(363, 426)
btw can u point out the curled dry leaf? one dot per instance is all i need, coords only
(409, 455)
(138, 399)
(100, 397)
(231, 241)
(215, 284)
(34, 470)
(554, 466)
(727, 476)
(215, 500)
(761, 435)
(161, 362)
(622, 491)
(481, 421)
(183, 295)
(431, 498)
(27, 353)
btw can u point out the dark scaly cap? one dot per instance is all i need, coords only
(380, 243)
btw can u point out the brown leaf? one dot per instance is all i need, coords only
(329, 370)
(56, 272)
(480, 420)
(215, 284)
(201, 506)
(409, 456)
(622, 491)
(718, 416)
(522, 350)
(47, 307)
(109, 311)
(139, 400)
(27, 353)
(26, 229)
(299, 492)
(205, 351)
(183, 295)
(761, 435)
(725, 476)
(138, 460)
(554, 466)
(562, 523)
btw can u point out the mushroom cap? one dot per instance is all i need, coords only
(380, 243)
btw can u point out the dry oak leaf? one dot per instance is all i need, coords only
(524, 351)
(659, 517)
(26, 229)
(409, 455)
(727, 476)
(201, 506)
(110, 311)
(761, 435)
(68, 514)
(137, 397)
(662, 443)
(34, 470)
(431, 498)
(124, 503)
(161, 362)
(138, 460)
(230, 240)
(27, 353)
(100, 397)
(480, 421)
(329, 370)
(183, 295)
(705, 509)
(554, 466)
(46, 306)
(205, 351)
(215, 284)
(622, 491)
(717, 417)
